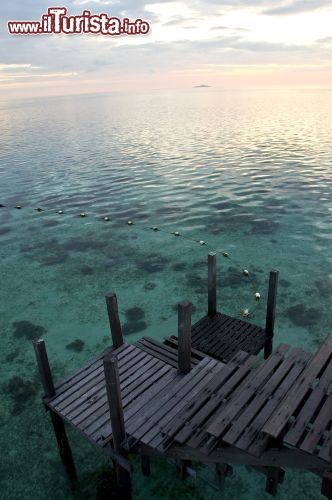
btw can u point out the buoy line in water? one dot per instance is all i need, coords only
(245, 313)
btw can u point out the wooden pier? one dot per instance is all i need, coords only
(197, 397)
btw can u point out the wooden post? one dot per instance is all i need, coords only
(58, 425)
(222, 470)
(184, 336)
(181, 468)
(145, 465)
(212, 283)
(112, 379)
(270, 313)
(274, 476)
(326, 488)
(113, 316)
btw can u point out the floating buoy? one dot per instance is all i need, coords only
(245, 313)
(225, 254)
(106, 218)
(60, 212)
(18, 207)
(245, 272)
(130, 223)
(83, 214)
(154, 228)
(176, 233)
(202, 242)
(257, 296)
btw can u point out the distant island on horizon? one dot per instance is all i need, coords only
(201, 86)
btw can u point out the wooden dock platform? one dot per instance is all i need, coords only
(220, 406)
(222, 336)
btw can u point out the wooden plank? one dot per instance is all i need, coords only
(211, 388)
(154, 437)
(244, 331)
(215, 344)
(318, 427)
(82, 393)
(236, 405)
(196, 412)
(162, 357)
(191, 405)
(208, 327)
(226, 335)
(217, 338)
(82, 379)
(171, 350)
(144, 379)
(295, 396)
(325, 452)
(158, 347)
(196, 434)
(96, 398)
(262, 396)
(299, 426)
(167, 375)
(173, 343)
(143, 370)
(169, 399)
(252, 440)
(72, 379)
(94, 389)
(162, 351)
(254, 336)
(95, 428)
(165, 394)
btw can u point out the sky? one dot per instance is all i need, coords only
(221, 43)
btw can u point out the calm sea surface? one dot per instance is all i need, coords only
(247, 172)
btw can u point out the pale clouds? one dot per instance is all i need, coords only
(199, 37)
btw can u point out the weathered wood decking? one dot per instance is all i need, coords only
(243, 403)
(202, 396)
(222, 336)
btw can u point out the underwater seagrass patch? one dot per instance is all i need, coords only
(301, 316)
(28, 330)
(77, 345)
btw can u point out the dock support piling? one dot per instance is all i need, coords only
(145, 465)
(270, 313)
(113, 316)
(326, 488)
(275, 476)
(57, 422)
(113, 389)
(181, 468)
(212, 283)
(222, 470)
(184, 336)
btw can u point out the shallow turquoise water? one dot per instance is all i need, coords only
(250, 173)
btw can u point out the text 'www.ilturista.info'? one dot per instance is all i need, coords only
(57, 22)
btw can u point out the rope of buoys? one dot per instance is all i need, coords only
(246, 313)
